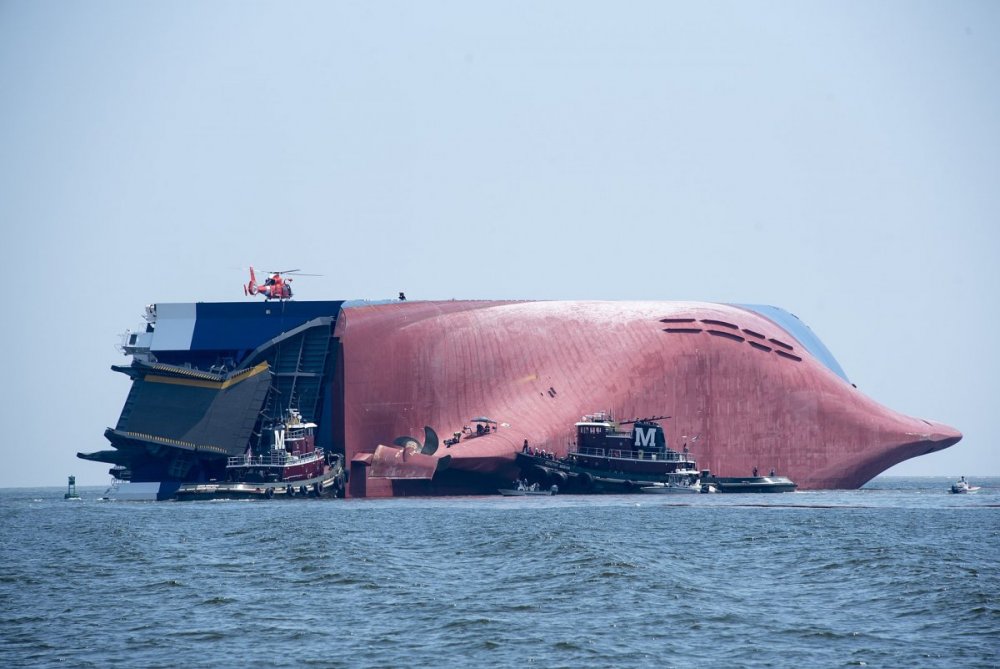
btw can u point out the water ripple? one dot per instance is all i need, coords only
(864, 578)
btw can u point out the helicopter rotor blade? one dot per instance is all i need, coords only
(291, 271)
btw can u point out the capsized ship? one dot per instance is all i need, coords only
(747, 387)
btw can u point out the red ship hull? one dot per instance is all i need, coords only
(741, 390)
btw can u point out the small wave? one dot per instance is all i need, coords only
(522, 607)
(468, 622)
(984, 611)
(824, 634)
(24, 620)
(344, 579)
(216, 601)
(143, 627)
(197, 635)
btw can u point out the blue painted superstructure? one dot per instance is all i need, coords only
(236, 327)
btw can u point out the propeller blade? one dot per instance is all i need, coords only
(430, 441)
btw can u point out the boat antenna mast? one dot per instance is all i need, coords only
(643, 420)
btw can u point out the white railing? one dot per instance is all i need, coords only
(669, 456)
(278, 459)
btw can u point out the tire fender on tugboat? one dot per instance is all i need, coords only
(539, 474)
(269, 493)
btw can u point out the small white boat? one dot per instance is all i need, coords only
(525, 493)
(672, 488)
(522, 490)
(962, 487)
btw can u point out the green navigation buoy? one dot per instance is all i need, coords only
(71, 489)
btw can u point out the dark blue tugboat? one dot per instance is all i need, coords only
(610, 459)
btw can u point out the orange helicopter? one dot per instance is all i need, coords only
(276, 287)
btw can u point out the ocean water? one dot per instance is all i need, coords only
(897, 574)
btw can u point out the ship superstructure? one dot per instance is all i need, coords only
(208, 380)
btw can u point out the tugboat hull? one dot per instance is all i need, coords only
(330, 484)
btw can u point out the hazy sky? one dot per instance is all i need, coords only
(837, 159)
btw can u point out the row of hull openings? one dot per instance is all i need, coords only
(755, 339)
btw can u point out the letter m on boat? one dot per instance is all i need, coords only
(645, 437)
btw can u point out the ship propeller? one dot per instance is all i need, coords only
(407, 442)
(429, 447)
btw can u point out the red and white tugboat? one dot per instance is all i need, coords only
(291, 467)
